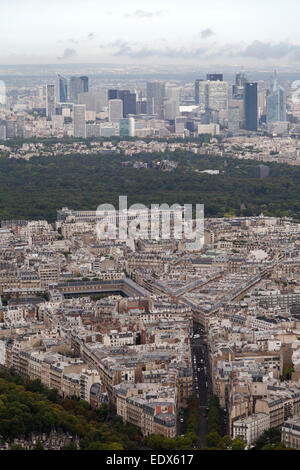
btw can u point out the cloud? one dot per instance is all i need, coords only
(68, 53)
(206, 33)
(264, 50)
(145, 14)
(73, 41)
(127, 49)
(255, 50)
(91, 36)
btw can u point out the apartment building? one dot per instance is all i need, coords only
(290, 432)
(250, 428)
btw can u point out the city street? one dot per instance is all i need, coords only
(202, 380)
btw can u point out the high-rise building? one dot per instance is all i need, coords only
(79, 120)
(2, 130)
(85, 83)
(115, 110)
(94, 101)
(276, 104)
(217, 95)
(240, 79)
(251, 106)
(211, 95)
(201, 93)
(11, 129)
(238, 89)
(77, 85)
(20, 126)
(141, 107)
(214, 77)
(50, 101)
(261, 103)
(155, 98)
(172, 100)
(238, 103)
(180, 122)
(129, 104)
(61, 89)
(122, 93)
(127, 127)
(112, 94)
(42, 93)
(233, 120)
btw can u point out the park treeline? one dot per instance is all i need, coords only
(28, 406)
(36, 188)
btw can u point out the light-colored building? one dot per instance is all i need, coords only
(250, 428)
(79, 120)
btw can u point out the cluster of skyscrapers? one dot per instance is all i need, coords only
(161, 108)
(214, 96)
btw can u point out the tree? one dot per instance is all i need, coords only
(70, 446)
(238, 444)
(155, 442)
(102, 412)
(35, 386)
(270, 436)
(227, 442)
(38, 446)
(213, 439)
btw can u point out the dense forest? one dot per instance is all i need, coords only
(37, 188)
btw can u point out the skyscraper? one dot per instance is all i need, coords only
(20, 126)
(79, 120)
(233, 120)
(77, 85)
(61, 89)
(217, 95)
(115, 110)
(211, 95)
(276, 103)
(129, 104)
(85, 83)
(251, 106)
(50, 100)
(2, 130)
(112, 94)
(155, 98)
(172, 100)
(214, 77)
(240, 79)
(197, 90)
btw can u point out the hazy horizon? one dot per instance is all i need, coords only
(241, 34)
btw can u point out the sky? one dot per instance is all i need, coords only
(231, 32)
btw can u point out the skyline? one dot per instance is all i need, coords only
(72, 32)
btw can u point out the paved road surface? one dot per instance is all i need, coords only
(202, 381)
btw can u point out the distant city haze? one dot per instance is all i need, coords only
(246, 33)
